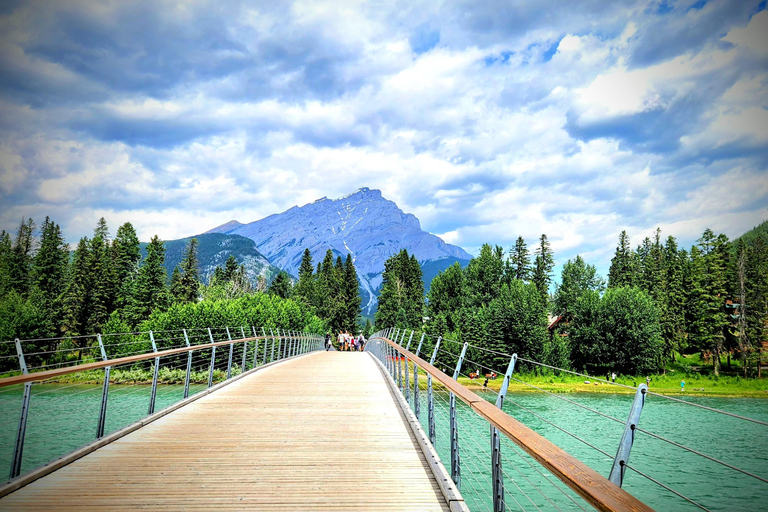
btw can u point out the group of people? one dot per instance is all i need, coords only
(347, 342)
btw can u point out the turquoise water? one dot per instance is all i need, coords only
(64, 417)
(739, 443)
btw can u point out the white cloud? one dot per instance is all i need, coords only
(316, 99)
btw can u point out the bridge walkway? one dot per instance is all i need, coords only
(318, 432)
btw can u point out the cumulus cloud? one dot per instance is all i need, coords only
(487, 120)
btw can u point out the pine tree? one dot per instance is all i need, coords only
(77, 293)
(281, 285)
(189, 283)
(305, 287)
(621, 272)
(126, 253)
(577, 277)
(446, 298)
(484, 276)
(49, 273)
(22, 254)
(741, 277)
(520, 260)
(150, 291)
(101, 278)
(707, 296)
(230, 267)
(176, 290)
(401, 301)
(351, 295)
(757, 297)
(542, 271)
(673, 306)
(6, 249)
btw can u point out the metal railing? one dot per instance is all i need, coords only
(77, 382)
(477, 465)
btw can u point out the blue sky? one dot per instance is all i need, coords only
(487, 120)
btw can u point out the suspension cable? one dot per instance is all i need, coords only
(701, 454)
(702, 507)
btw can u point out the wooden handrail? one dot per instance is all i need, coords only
(597, 490)
(58, 372)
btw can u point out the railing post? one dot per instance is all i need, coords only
(421, 341)
(430, 398)
(497, 475)
(104, 392)
(416, 404)
(18, 449)
(628, 437)
(153, 393)
(274, 342)
(255, 346)
(399, 371)
(231, 352)
(213, 360)
(245, 350)
(455, 458)
(410, 338)
(407, 384)
(189, 366)
(264, 333)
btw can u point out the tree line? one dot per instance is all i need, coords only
(105, 285)
(659, 301)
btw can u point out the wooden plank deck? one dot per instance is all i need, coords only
(320, 432)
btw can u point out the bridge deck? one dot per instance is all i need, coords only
(320, 432)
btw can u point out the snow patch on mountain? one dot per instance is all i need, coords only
(363, 224)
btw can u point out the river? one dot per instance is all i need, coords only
(63, 418)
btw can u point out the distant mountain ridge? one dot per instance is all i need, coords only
(363, 224)
(213, 250)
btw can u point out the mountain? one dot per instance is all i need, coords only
(213, 251)
(363, 224)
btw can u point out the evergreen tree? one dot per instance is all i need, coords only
(126, 253)
(483, 276)
(401, 302)
(305, 287)
(230, 267)
(177, 292)
(756, 309)
(367, 329)
(49, 274)
(6, 249)
(577, 278)
(101, 278)
(50, 263)
(672, 306)
(542, 269)
(281, 285)
(22, 254)
(446, 299)
(189, 283)
(77, 293)
(329, 292)
(150, 292)
(707, 296)
(351, 295)
(520, 260)
(741, 297)
(621, 272)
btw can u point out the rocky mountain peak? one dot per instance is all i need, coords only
(364, 224)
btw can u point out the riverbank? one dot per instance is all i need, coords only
(695, 385)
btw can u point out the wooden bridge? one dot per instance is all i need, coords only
(324, 431)
(308, 430)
